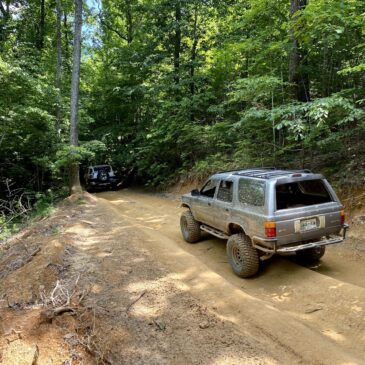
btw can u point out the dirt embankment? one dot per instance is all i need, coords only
(108, 279)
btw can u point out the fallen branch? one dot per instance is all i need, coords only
(61, 310)
(49, 314)
(135, 301)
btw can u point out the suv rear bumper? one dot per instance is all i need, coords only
(269, 245)
(96, 182)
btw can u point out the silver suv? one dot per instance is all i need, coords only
(265, 211)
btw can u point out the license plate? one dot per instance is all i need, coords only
(308, 224)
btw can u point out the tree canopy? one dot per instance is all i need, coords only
(180, 88)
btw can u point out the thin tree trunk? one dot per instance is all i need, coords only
(193, 53)
(74, 181)
(129, 22)
(42, 21)
(297, 75)
(66, 43)
(59, 67)
(5, 11)
(193, 60)
(177, 42)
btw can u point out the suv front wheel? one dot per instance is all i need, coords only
(190, 228)
(243, 258)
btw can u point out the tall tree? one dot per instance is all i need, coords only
(74, 175)
(193, 51)
(59, 66)
(177, 41)
(129, 21)
(298, 74)
(41, 26)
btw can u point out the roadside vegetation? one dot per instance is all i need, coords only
(173, 90)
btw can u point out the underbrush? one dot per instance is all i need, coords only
(21, 208)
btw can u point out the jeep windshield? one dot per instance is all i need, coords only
(301, 194)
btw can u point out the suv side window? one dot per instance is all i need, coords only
(209, 189)
(225, 191)
(251, 192)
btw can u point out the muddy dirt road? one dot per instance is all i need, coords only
(313, 315)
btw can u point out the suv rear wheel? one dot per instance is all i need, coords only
(312, 254)
(243, 258)
(190, 228)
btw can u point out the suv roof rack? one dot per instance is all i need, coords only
(269, 174)
(248, 169)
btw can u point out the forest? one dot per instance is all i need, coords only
(172, 90)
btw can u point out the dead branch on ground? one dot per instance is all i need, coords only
(135, 301)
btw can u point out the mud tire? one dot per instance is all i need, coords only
(311, 254)
(190, 228)
(243, 258)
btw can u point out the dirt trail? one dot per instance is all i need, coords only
(134, 309)
(150, 298)
(315, 313)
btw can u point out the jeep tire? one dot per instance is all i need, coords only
(190, 228)
(311, 254)
(243, 258)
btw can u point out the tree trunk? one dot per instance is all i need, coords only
(41, 26)
(66, 43)
(5, 17)
(59, 67)
(177, 42)
(193, 52)
(74, 175)
(129, 22)
(298, 75)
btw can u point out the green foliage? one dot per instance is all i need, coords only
(232, 104)
(176, 88)
(68, 155)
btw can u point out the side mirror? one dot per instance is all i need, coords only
(195, 192)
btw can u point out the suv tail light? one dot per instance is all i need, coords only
(270, 229)
(342, 217)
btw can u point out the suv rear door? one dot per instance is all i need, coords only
(305, 210)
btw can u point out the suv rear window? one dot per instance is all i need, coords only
(301, 194)
(102, 168)
(251, 192)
